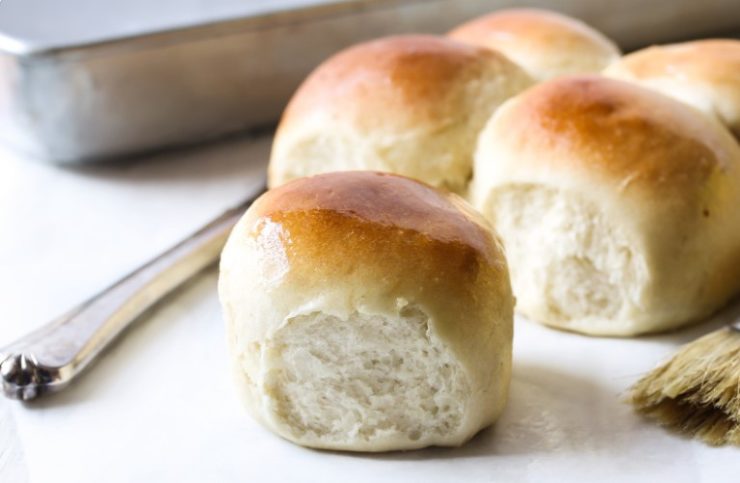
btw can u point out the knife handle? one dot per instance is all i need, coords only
(48, 359)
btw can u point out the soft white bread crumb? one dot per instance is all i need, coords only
(574, 268)
(618, 206)
(368, 378)
(367, 312)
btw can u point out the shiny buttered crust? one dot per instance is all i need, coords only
(703, 73)
(315, 261)
(410, 105)
(618, 206)
(546, 44)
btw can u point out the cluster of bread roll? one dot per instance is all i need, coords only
(371, 311)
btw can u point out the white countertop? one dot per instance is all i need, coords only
(160, 405)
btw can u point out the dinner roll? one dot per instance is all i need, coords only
(704, 73)
(546, 44)
(367, 312)
(618, 206)
(411, 105)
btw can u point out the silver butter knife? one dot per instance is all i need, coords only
(48, 359)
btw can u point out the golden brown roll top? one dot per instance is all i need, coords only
(383, 227)
(380, 265)
(380, 207)
(617, 205)
(615, 133)
(546, 44)
(703, 73)
(411, 105)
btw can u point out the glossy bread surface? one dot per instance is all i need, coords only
(411, 74)
(361, 245)
(620, 131)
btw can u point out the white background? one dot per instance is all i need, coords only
(160, 406)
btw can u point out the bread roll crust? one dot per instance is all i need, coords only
(660, 177)
(547, 44)
(374, 244)
(411, 105)
(618, 133)
(702, 73)
(317, 205)
(412, 70)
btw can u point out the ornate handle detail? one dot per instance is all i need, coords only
(48, 359)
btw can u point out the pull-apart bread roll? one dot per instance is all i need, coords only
(619, 208)
(368, 312)
(411, 105)
(546, 44)
(704, 73)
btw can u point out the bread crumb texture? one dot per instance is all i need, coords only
(364, 378)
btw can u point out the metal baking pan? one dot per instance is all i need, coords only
(84, 80)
